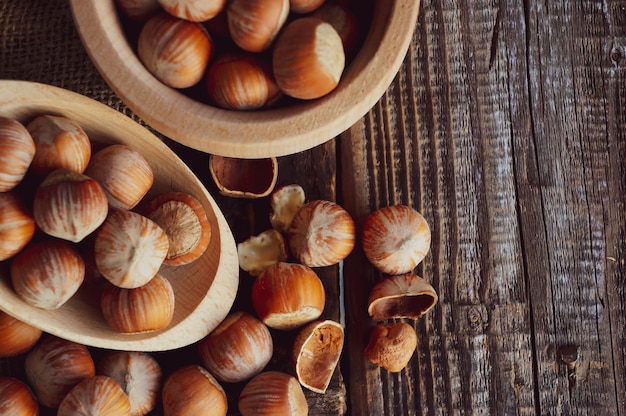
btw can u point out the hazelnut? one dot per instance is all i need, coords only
(288, 295)
(244, 178)
(138, 10)
(401, 296)
(308, 58)
(238, 81)
(48, 273)
(304, 6)
(273, 393)
(54, 366)
(138, 374)
(17, 225)
(16, 337)
(16, 399)
(174, 50)
(395, 239)
(259, 252)
(239, 348)
(253, 24)
(285, 202)
(322, 233)
(61, 143)
(193, 10)
(97, 395)
(141, 309)
(17, 150)
(316, 352)
(345, 22)
(69, 205)
(391, 345)
(129, 249)
(192, 390)
(123, 173)
(185, 222)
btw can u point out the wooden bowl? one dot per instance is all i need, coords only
(204, 290)
(248, 134)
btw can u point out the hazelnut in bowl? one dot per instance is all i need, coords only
(314, 79)
(103, 258)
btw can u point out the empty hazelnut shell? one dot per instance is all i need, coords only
(401, 296)
(244, 178)
(391, 345)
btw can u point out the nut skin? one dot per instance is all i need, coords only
(238, 349)
(16, 399)
(193, 10)
(61, 143)
(391, 345)
(139, 375)
(401, 296)
(54, 366)
(192, 390)
(308, 58)
(316, 352)
(395, 239)
(16, 337)
(123, 173)
(175, 51)
(69, 205)
(254, 24)
(47, 273)
(146, 308)
(98, 395)
(240, 81)
(17, 150)
(185, 222)
(273, 393)
(17, 225)
(129, 249)
(288, 295)
(322, 233)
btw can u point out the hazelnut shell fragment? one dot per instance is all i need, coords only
(285, 202)
(259, 252)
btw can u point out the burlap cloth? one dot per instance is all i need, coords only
(40, 43)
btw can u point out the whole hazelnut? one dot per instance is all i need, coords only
(174, 50)
(138, 10)
(17, 150)
(322, 233)
(239, 348)
(54, 366)
(97, 395)
(273, 393)
(395, 239)
(308, 58)
(192, 390)
(16, 399)
(60, 142)
(16, 337)
(17, 225)
(254, 24)
(288, 295)
(193, 10)
(47, 273)
(69, 205)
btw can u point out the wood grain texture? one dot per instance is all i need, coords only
(505, 128)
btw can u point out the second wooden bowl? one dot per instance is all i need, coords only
(204, 290)
(249, 134)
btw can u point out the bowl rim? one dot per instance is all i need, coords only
(248, 134)
(21, 98)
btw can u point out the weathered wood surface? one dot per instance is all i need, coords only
(506, 128)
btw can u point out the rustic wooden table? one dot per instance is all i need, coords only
(506, 128)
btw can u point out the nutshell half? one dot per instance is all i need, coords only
(244, 178)
(402, 296)
(315, 353)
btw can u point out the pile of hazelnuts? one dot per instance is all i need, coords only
(245, 54)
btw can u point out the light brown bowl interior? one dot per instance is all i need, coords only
(204, 290)
(250, 134)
